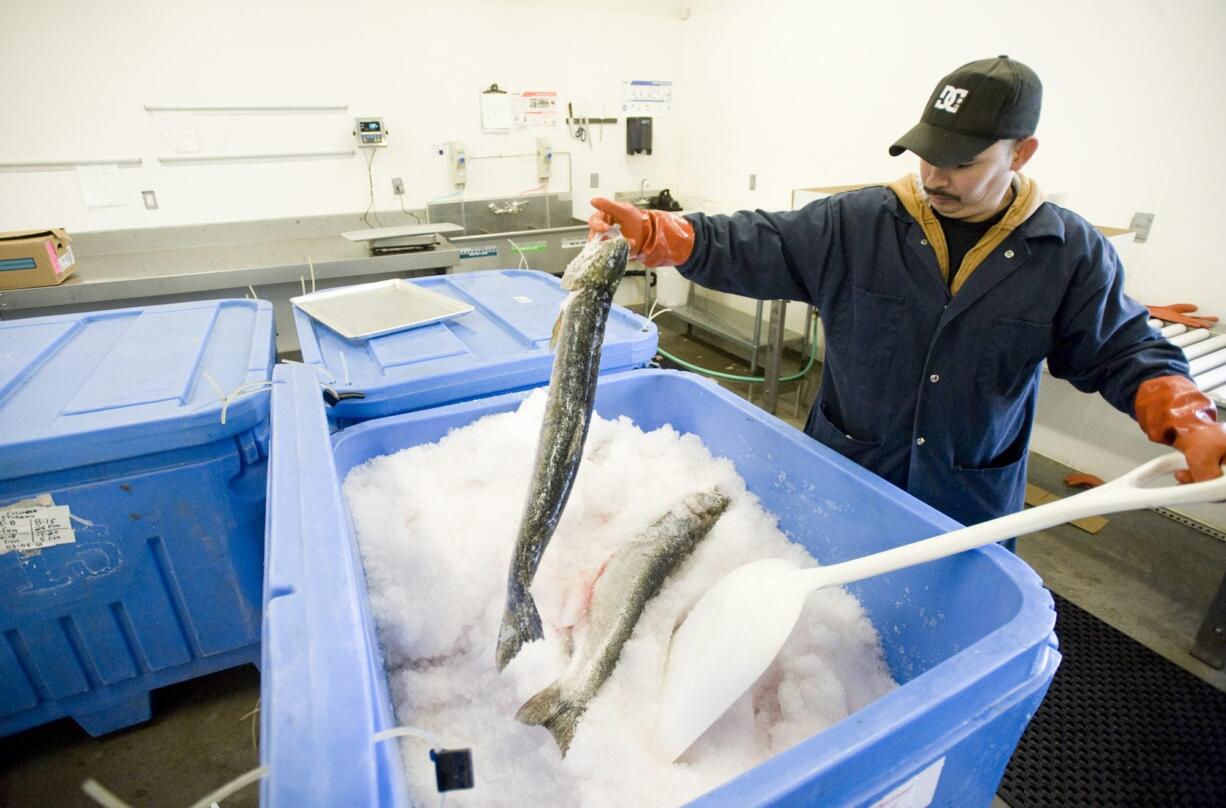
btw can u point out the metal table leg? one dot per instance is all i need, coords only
(770, 396)
(1210, 646)
(757, 338)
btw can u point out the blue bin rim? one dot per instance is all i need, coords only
(385, 395)
(1029, 633)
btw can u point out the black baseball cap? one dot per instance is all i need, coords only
(972, 108)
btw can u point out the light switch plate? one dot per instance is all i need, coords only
(1140, 225)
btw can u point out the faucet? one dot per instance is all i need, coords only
(643, 199)
(511, 207)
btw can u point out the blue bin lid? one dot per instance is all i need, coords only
(91, 387)
(502, 345)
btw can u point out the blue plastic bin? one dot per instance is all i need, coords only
(502, 345)
(969, 638)
(111, 415)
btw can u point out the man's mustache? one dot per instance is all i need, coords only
(942, 194)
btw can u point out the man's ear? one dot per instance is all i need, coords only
(1023, 151)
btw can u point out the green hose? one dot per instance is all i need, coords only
(732, 377)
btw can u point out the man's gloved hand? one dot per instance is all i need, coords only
(656, 238)
(1181, 313)
(1172, 411)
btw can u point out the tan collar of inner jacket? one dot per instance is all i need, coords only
(1026, 201)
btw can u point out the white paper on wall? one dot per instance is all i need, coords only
(180, 131)
(640, 97)
(536, 108)
(497, 112)
(100, 186)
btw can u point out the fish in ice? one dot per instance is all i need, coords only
(592, 278)
(628, 580)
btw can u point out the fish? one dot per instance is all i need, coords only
(592, 278)
(628, 580)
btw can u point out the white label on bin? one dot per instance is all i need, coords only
(573, 243)
(916, 792)
(33, 527)
(522, 299)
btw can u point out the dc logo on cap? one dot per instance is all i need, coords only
(950, 99)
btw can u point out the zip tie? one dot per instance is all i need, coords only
(241, 390)
(398, 732)
(254, 296)
(99, 794)
(320, 370)
(652, 313)
(312, 267)
(252, 715)
(228, 398)
(237, 784)
(220, 393)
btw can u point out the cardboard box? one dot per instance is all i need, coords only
(35, 258)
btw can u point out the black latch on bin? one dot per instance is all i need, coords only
(453, 768)
(332, 398)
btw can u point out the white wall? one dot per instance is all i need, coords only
(78, 75)
(813, 93)
(798, 93)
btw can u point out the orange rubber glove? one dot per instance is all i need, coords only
(1172, 411)
(656, 238)
(1082, 480)
(1181, 313)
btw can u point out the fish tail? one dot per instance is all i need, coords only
(521, 623)
(550, 710)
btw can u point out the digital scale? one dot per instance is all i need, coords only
(388, 240)
(370, 132)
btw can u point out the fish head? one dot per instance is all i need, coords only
(600, 264)
(706, 503)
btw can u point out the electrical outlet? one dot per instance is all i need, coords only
(595, 182)
(397, 186)
(753, 182)
(151, 200)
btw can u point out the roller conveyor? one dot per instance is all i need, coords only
(1206, 354)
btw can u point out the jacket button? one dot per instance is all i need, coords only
(934, 378)
(919, 442)
(924, 241)
(1008, 253)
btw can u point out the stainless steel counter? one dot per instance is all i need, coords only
(168, 265)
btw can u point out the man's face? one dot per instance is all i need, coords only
(976, 189)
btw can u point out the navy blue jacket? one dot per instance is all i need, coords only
(932, 391)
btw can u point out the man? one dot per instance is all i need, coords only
(941, 295)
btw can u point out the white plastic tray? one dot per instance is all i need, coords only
(383, 307)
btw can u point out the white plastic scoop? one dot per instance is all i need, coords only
(738, 627)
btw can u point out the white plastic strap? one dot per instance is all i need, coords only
(237, 784)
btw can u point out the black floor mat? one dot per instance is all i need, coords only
(1119, 726)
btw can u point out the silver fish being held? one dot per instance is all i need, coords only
(592, 278)
(629, 579)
